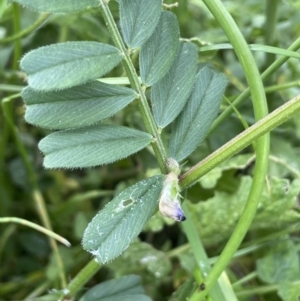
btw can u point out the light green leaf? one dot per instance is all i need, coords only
(275, 210)
(65, 65)
(159, 52)
(289, 291)
(58, 6)
(280, 264)
(3, 5)
(169, 95)
(238, 162)
(116, 289)
(91, 146)
(75, 107)
(201, 109)
(113, 229)
(138, 19)
(142, 255)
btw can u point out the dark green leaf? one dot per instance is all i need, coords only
(58, 6)
(75, 107)
(116, 289)
(201, 109)
(280, 264)
(169, 95)
(65, 65)
(159, 52)
(138, 20)
(113, 229)
(91, 146)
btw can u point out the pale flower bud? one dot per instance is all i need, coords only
(169, 204)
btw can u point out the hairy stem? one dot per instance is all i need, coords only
(148, 119)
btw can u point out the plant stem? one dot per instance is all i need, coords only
(265, 75)
(148, 119)
(36, 194)
(27, 223)
(265, 125)
(26, 31)
(271, 121)
(270, 26)
(17, 29)
(82, 277)
(284, 86)
(262, 145)
(198, 250)
(261, 290)
(247, 278)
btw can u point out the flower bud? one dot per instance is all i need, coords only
(169, 204)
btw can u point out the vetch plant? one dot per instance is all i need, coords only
(177, 98)
(62, 94)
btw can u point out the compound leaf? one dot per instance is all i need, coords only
(58, 6)
(75, 107)
(138, 20)
(169, 95)
(65, 65)
(202, 107)
(159, 52)
(91, 146)
(113, 229)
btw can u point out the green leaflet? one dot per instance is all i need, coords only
(275, 210)
(124, 288)
(159, 52)
(281, 263)
(75, 107)
(65, 65)
(138, 20)
(91, 146)
(58, 6)
(113, 229)
(169, 95)
(289, 291)
(133, 258)
(201, 109)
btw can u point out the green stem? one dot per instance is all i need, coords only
(270, 26)
(265, 75)
(82, 277)
(26, 31)
(262, 145)
(245, 279)
(263, 126)
(17, 29)
(198, 250)
(149, 122)
(27, 223)
(36, 194)
(260, 290)
(284, 86)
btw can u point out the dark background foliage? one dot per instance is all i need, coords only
(160, 254)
